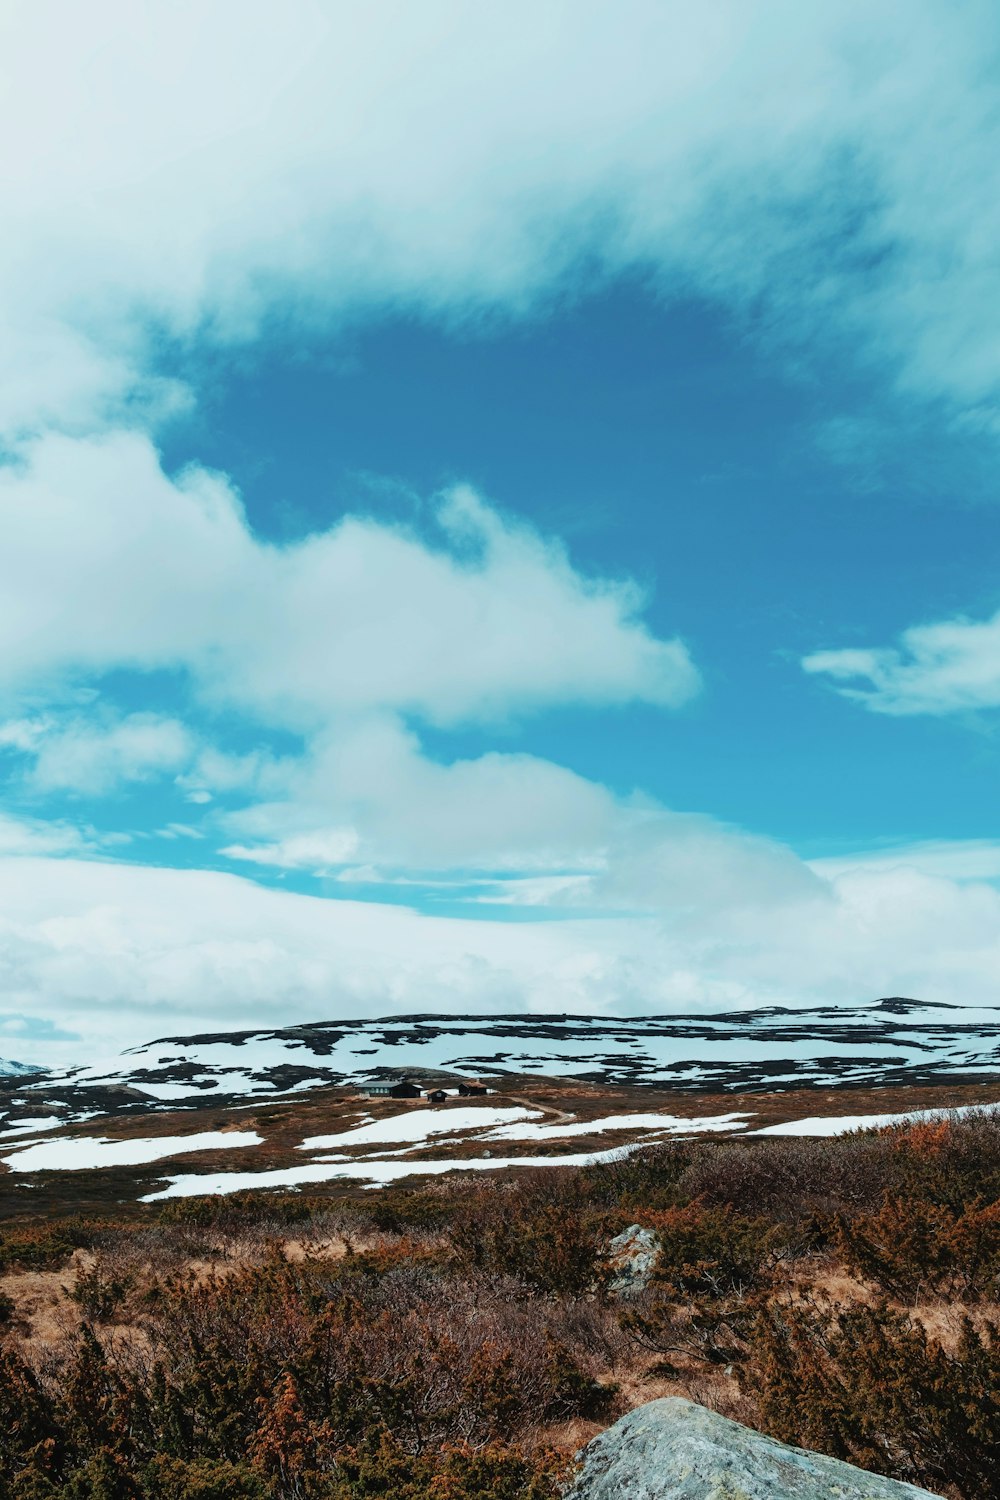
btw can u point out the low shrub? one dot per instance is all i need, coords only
(910, 1247)
(868, 1384)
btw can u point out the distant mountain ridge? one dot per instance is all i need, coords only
(892, 1041)
(10, 1069)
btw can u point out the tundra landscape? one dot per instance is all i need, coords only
(499, 702)
(219, 1278)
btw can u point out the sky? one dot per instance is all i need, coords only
(497, 511)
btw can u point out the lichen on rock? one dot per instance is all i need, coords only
(630, 1260)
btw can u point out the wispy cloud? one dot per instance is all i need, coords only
(951, 666)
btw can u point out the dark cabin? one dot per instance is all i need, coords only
(437, 1096)
(465, 1089)
(404, 1090)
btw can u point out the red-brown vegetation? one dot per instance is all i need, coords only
(452, 1342)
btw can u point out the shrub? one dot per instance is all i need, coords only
(712, 1266)
(910, 1247)
(869, 1385)
(100, 1296)
(203, 1479)
(713, 1252)
(496, 1472)
(551, 1244)
(791, 1181)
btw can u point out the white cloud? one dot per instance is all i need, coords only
(119, 953)
(341, 638)
(316, 851)
(23, 736)
(26, 836)
(217, 772)
(370, 776)
(687, 865)
(145, 572)
(950, 859)
(947, 667)
(95, 756)
(196, 170)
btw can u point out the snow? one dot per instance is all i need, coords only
(34, 1126)
(167, 1092)
(87, 1152)
(660, 1124)
(820, 1045)
(374, 1173)
(417, 1125)
(840, 1124)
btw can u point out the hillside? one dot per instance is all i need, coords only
(289, 1108)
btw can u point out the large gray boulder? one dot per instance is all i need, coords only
(675, 1450)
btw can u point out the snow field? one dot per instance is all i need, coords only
(81, 1153)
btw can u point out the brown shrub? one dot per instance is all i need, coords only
(869, 1385)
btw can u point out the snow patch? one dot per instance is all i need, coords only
(418, 1125)
(83, 1153)
(34, 1126)
(658, 1124)
(841, 1124)
(373, 1173)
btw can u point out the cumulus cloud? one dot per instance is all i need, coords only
(947, 667)
(344, 639)
(190, 173)
(501, 810)
(95, 756)
(483, 619)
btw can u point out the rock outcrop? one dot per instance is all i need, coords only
(631, 1259)
(675, 1450)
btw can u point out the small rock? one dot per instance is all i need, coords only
(675, 1450)
(631, 1259)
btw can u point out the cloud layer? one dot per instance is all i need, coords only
(120, 953)
(198, 173)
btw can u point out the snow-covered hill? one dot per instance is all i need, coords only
(890, 1042)
(562, 1091)
(9, 1069)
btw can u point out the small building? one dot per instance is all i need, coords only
(437, 1096)
(467, 1089)
(404, 1090)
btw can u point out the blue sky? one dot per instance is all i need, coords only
(496, 511)
(661, 444)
